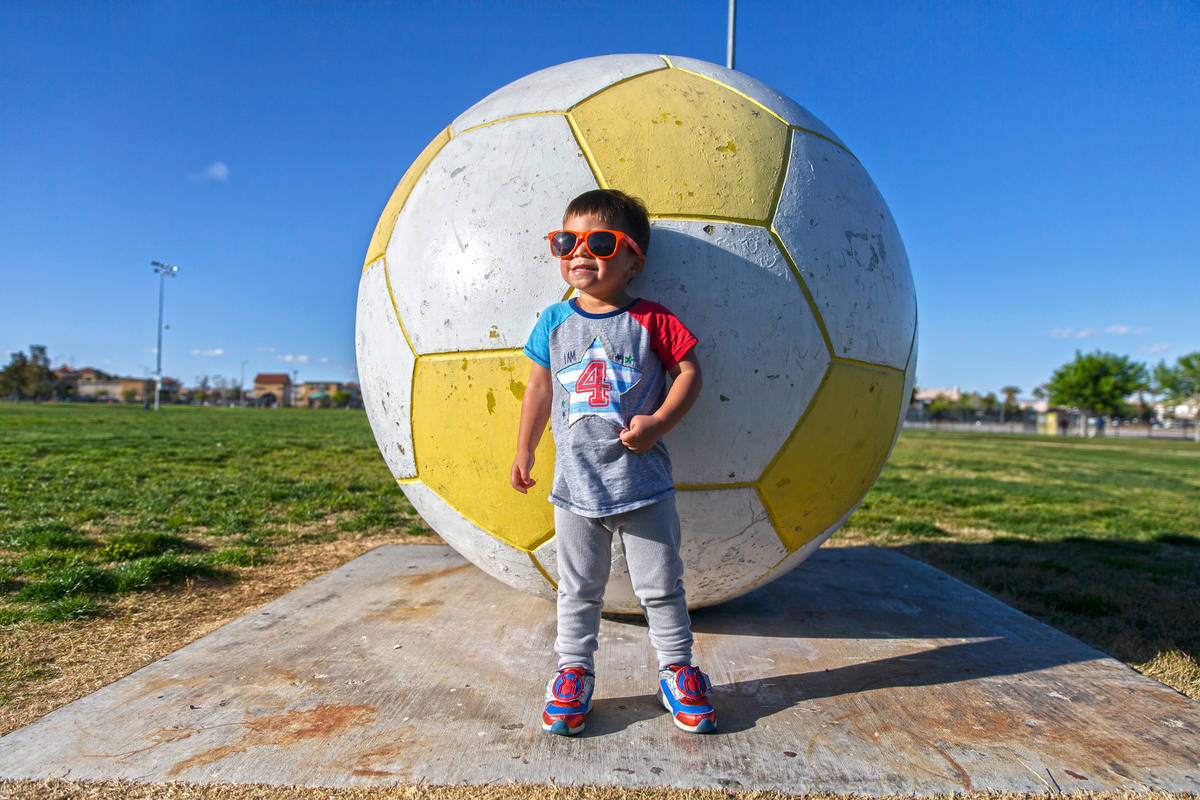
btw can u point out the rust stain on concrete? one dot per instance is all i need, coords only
(323, 722)
(425, 578)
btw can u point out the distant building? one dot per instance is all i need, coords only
(316, 394)
(927, 396)
(273, 390)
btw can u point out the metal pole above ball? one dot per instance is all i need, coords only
(163, 271)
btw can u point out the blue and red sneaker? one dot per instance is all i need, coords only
(683, 691)
(568, 700)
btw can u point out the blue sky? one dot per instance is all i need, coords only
(1042, 161)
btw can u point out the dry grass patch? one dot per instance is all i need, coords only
(44, 665)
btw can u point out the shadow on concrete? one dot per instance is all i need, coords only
(742, 704)
(1123, 596)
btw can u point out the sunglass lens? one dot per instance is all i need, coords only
(602, 243)
(562, 243)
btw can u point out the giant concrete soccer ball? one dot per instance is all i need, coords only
(769, 241)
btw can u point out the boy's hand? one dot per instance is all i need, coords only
(519, 475)
(641, 433)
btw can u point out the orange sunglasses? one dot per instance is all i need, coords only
(600, 243)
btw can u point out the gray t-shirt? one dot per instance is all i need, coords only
(606, 369)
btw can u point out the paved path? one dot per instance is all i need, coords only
(862, 671)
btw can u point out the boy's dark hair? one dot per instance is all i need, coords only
(623, 212)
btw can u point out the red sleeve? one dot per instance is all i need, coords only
(669, 339)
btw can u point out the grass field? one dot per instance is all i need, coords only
(97, 502)
(124, 534)
(1098, 537)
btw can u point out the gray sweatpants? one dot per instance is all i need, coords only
(650, 536)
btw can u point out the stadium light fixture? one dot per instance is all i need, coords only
(163, 271)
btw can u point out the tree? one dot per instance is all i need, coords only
(28, 377)
(340, 398)
(1096, 383)
(128, 395)
(939, 407)
(1180, 383)
(1010, 407)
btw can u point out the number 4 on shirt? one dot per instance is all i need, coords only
(595, 380)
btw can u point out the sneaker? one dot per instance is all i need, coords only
(568, 700)
(684, 692)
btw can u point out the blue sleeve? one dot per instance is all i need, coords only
(538, 345)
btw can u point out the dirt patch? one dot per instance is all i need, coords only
(46, 665)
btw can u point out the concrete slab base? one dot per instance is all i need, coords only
(862, 671)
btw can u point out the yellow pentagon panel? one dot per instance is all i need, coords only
(686, 145)
(835, 453)
(387, 220)
(465, 413)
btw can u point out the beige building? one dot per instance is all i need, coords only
(273, 390)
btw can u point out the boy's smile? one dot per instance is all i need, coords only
(601, 282)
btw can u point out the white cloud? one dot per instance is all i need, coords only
(216, 171)
(1155, 349)
(301, 359)
(1071, 333)
(264, 349)
(214, 351)
(1085, 333)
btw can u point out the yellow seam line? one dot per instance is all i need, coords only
(570, 293)
(724, 85)
(373, 261)
(547, 113)
(387, 279)
(587, 152)
(912, 347)
(757, 223)
(868, 365)
(812, 303)
(669, 64)
(542, 570)
(506, 352)
(777, 197)
(701, 487)
(796, 429)
(407, 481)
(773, 518)
(608, 86)
(819, 135)
(777, 563)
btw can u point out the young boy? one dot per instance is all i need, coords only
(600, 366)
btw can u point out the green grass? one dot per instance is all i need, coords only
(1098, 537)
(97, 501)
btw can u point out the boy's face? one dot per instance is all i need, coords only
(604, 279)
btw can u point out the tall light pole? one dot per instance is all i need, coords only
(163, 271)
(729, 42)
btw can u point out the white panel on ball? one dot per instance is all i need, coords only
(555, 89)
(799, 554)
(716, 276)
(842, 237)
(788, 109)
(728, 541)
(478, 214)
(502, 561)
(385, 365)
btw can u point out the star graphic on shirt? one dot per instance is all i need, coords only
(595, 384)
